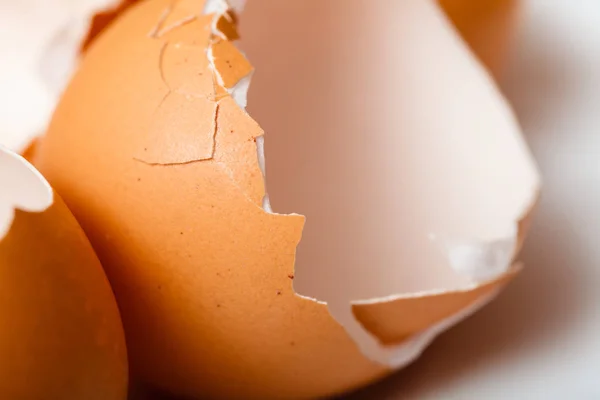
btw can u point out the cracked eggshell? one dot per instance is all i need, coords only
(154, 153)
(61, 335)
(411, 169)
(203, 275)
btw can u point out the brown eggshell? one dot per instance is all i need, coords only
(202, 273)
(61, 335)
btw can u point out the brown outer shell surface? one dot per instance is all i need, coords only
(203, 275)
(61, 335)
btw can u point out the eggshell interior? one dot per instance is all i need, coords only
(414, 180)
(61, 335)
(204, 285)
(401, 153)
(22, 187)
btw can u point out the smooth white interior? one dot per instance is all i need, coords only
(383, 129)
(21, 187)
(386, 133)
(394, 142)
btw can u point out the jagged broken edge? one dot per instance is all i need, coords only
(395, 356)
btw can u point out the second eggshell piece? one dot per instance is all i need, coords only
(62, 336)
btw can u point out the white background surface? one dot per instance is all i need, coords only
(541, 338)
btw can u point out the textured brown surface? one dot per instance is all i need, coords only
(200, 271)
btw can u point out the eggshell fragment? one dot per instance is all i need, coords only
(230, 65)
(226, 26)
(395, 321)
(186, 70)
(212, 302)
(180, 140)
(61, 335)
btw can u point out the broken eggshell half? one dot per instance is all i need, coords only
(406, 161)
(62, 336)
(410, 169)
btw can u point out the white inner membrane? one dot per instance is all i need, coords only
(386, 133)
(40, 41)
(21, 187)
